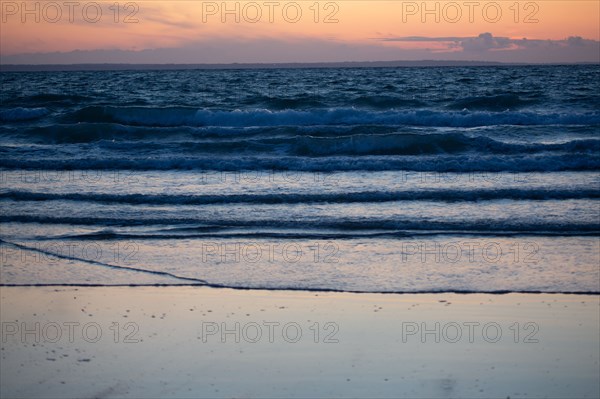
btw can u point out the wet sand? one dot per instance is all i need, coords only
(202, 342)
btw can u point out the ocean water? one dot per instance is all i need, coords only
(454, 179)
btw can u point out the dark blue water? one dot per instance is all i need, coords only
(351, 168)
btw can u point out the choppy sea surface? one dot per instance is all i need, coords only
(462, 179)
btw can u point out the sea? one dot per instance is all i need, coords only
(385, 180)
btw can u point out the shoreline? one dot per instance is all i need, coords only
(300, 290)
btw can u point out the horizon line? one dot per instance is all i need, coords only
(267, 65)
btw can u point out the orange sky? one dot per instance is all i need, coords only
(177, 23)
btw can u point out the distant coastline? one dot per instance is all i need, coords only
(348, 64)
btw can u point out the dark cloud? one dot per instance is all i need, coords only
(485, 42)
(487, 47)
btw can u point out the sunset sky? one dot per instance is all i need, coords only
(301, 31)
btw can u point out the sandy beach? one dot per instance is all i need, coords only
(322, 200)
(182, 342)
